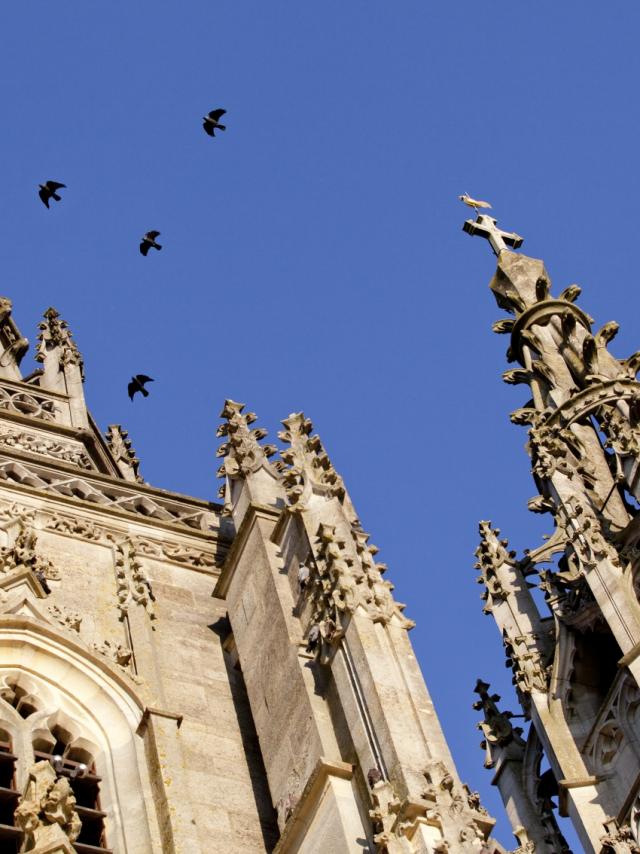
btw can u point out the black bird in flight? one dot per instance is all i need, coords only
(211, 122)
(148, 241)
(47, 191)
(137, 384)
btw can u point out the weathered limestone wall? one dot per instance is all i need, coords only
(199, 738)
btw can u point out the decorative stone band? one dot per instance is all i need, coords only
(586, 401)
(25, 403)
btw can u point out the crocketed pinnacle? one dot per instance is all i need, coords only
(55, 334)
(309, 470)
(122, 449)
(491, 554)
(242, 451)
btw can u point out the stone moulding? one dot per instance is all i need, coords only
(101, 490)
(32, 443)
(542, 313)
(584, 402)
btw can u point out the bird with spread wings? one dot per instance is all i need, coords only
(473, 203)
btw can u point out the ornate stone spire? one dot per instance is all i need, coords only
(122, 449)
(62, 369)
(583, 417)
(56, 335)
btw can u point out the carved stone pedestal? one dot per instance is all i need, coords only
(52, 840)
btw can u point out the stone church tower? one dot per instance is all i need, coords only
(575, 659)
(183, 676)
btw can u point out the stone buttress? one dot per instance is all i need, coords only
(353, 750)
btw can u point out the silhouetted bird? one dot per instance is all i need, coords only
(47, 191)
(137, 384)
(148, 241)
(211, 122)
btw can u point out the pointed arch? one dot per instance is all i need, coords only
(97, 710)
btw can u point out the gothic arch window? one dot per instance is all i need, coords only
(35, 730)
(57, 696)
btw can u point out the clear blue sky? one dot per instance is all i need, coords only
(313, 254)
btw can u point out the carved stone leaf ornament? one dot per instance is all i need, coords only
(24, 441)
(23, 553)
(242, 451)
(67, 619)
(132, 584)
(309, 467)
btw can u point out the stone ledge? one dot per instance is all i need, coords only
(309, 800)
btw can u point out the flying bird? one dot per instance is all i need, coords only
(211, 122)
(148, 241)
(473, 203)
(47, 191)
(137, 384)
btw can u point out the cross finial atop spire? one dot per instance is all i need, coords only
(486, 226)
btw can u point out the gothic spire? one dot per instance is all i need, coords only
(63, 368)
(55, 335)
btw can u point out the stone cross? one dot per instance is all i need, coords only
(486, 227)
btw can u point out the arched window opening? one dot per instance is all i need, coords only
(20, 696)
(71, 756)
(10, 835)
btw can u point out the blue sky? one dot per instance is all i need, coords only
(313, 254)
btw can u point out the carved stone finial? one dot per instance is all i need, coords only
(309, 467)
(486, 226)
(46, 813)
(496, 726)
(242, 451)
(122, 449)
(55, 334)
